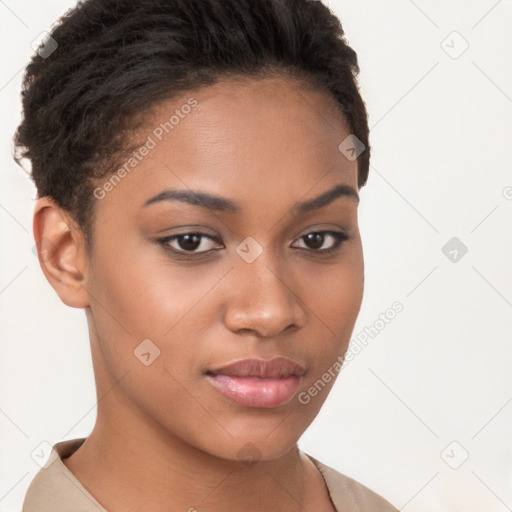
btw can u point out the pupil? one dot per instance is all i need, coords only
(190, 242)
(316, 239)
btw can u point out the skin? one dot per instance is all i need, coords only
(163, 434)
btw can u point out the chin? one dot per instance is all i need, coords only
(252, 451)
(269, 441)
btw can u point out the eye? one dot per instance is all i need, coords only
(316, 239)
(189, 243)
(195, 243)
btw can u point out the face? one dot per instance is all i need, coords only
(221, 242)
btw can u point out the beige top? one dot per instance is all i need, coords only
(55, 489)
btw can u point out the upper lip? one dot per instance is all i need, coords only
(278, 367)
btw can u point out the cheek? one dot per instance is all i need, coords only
(143, 293)
(335, 297)
(145, 315)
(142, 297)
(336, 292)
(333, 304)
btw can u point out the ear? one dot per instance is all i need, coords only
(61, 252)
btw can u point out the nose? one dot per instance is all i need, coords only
(262, 299)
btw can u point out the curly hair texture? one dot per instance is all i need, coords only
(116, 59)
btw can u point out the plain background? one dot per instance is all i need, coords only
(434, 385)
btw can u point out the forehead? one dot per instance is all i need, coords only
(253, 139)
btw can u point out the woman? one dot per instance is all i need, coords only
(198, 166)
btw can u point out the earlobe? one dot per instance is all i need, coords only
(61, 252)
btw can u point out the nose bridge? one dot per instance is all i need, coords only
(264, 300)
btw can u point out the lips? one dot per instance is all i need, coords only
(273, 369)
(258, 382)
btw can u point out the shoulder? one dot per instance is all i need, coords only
(55, 489)
(348, 494)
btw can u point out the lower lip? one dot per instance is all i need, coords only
(255, 391)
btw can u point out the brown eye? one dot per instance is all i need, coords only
(316, 239)
(189, 243)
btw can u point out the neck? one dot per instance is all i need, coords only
(128, 463)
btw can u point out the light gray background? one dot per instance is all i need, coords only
(438, 373)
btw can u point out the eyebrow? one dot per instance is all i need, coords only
(222, 204)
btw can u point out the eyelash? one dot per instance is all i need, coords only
(339, 238)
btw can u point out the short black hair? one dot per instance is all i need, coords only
(116, 59)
